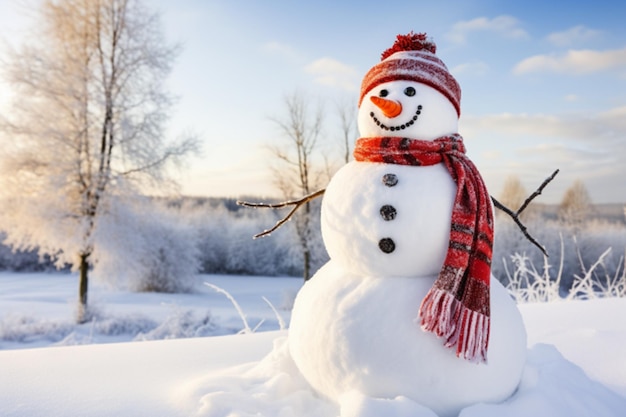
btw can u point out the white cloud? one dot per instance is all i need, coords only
(617, 113)
(470, 68)
(573, 36)
(491, 155)
(506, 26)
(567, 155)
(329, 71)
(330, 65)
(531, 146)
(280, 49)
(571, 97)
(577, 62)
(601, 129)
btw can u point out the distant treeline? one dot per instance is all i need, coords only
(223, 236)
(222, 232)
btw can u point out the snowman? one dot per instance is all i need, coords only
(407, 307)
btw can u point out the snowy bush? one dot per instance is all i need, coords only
(146, 246)
(122, 325)
(527, 284)
(181, 324)
(20, 261)
(584, 262)
(141, 243)
(227, 244)
(25, 328)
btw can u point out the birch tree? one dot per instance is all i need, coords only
(346, 112)
(296, 177)
(86, 125)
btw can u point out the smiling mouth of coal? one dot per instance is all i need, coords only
(398, 127)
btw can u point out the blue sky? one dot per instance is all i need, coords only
(544, 83)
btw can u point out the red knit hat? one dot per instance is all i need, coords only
(412, 58)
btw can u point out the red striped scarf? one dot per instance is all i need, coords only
(457, 306)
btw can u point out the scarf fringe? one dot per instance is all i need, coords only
(447, 317)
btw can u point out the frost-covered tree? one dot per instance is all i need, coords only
(513, 193)
(346, 112)
(144, 244)
(576, 205)
(86, 123)
(296, 177)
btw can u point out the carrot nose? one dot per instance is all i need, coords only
(390, 108)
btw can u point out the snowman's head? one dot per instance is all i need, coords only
(408, 109)
(409, 75)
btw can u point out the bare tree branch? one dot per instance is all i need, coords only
(347, 118)
(301, 128)
(296, 203)
(538, 191)
(515, 215)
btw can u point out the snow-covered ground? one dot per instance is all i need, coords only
(38, 310)
(576, 365)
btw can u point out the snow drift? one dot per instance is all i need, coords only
(576, 367)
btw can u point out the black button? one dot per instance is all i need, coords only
(387, 245)
(390, 180)
(388, 212)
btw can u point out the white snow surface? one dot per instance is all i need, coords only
(420, 230)
(576, 362)
(372, 342)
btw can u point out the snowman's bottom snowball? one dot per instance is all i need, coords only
(358, 333)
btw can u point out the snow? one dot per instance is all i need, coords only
(125, 379)
(576, 361)
(421, 232)
(38, 310)
(371, 342)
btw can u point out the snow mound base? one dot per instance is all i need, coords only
(270, 387)
(551, 385)
(273, 387)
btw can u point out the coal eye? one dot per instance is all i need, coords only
(409, 91)
(383, 93)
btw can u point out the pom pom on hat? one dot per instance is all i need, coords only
(412, 58)
(410, 42)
